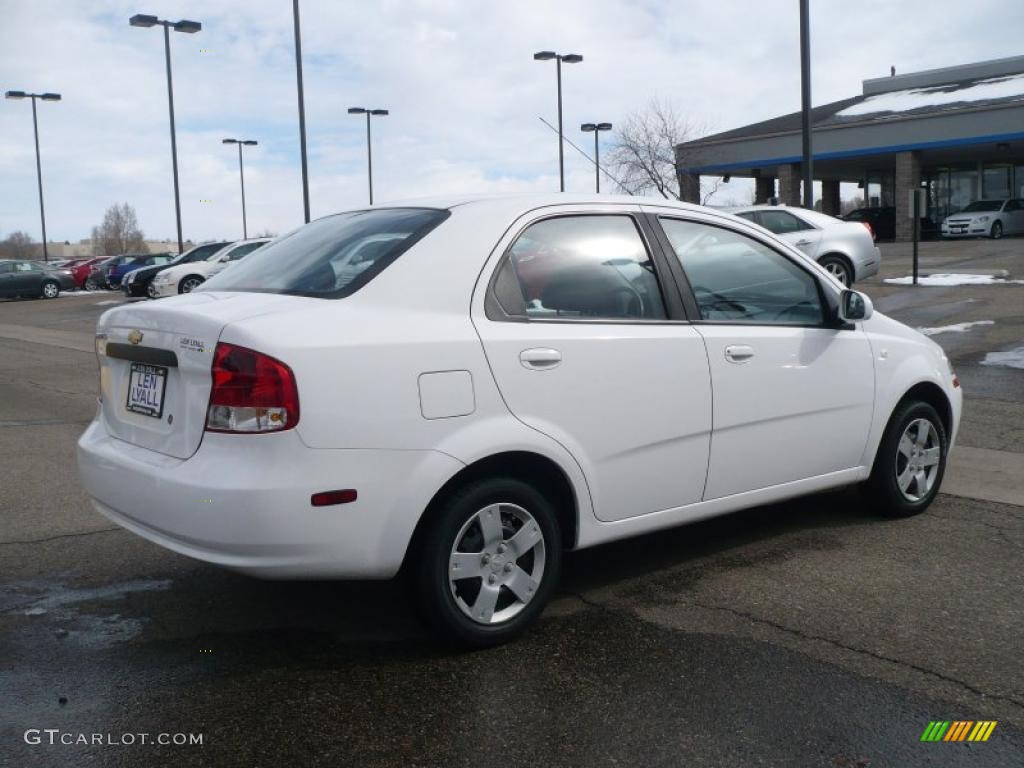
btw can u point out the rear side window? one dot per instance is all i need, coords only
(781, 222)
(583, 267)
(332, 257)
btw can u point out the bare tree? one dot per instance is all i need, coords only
(645, 158)
(119, 233)
(19, 245)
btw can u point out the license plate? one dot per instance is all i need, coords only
(146, 386)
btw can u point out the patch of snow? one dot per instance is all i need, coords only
(1011, 358)
(85, 294)
(939, 96)
(950, 279)
(955, 328)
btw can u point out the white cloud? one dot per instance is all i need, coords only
(457, 75)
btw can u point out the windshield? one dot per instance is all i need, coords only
(983, 205)
(332, 257)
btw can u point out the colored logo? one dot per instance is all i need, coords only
(958, 730)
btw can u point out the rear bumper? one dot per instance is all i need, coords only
(243, 501)
(868, 265)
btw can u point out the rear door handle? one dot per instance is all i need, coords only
(540, 358)
(738, 353)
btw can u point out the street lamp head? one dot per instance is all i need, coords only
(250, 142)
(143, 20)
(604, 126)
(14, 95)
(544, 55)
(50, 97)
(588, 127)
(378, 111)
(189, 27)
(357, 110)
(229, 141)
(572, 58)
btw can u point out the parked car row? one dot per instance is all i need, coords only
(192, 269)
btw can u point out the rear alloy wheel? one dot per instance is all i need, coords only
(50, 290)
(189, 284)
(997, 230)
(838, 269)
(489, 562)
(910, 462)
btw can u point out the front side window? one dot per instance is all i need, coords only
(244, 250)
(781, 222)
(736, 279)
(332, 257)
(587, 267)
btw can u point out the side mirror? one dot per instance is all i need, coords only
(854, 305)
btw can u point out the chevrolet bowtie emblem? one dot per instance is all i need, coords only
(135, 336)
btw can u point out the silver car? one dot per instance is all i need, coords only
(986, 218)
(845, 248)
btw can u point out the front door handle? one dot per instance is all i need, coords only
(540, 358)
(738, 353)
(803, 242)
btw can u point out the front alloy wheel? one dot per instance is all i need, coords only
(151, 291)
(488, 562)
(997, 230)
(910, 462)
(189, 284)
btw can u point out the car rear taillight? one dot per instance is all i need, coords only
(870, 229)
(252, 392)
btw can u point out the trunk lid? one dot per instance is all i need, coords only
(157, 355)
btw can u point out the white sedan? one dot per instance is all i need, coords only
(845, 248)
(470, 387)
(184, 278)
(986, 218)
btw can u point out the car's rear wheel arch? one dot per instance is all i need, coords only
(531, 468)
(844, 259)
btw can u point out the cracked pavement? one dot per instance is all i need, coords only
(808, 633)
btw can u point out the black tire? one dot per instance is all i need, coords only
(997, 230)
(151, 291)
(839, 268)
(50, 289)
(189, 283)
(882, 488)
(90, 284)
(431, 586)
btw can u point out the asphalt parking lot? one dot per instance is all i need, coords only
(808, 633)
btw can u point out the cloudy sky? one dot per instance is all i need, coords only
(457, 75)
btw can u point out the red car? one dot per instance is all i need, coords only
(80, 271)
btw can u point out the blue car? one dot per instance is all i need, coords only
(117, 269)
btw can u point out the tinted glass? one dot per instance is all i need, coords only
(780, 222)
(5, 266)
(736, 279)
(244, 250)
(588, 267)
(332, 257)
(983, 205)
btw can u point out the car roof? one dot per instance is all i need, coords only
(525, 200)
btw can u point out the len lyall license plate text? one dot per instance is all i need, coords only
(146, 385)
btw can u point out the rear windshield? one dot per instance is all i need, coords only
(332, 257)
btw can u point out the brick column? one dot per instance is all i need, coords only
(764, 188)
(908, 177)
(789, 184)
(830, 202)
(689, 185)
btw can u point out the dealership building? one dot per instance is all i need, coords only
(958, 132)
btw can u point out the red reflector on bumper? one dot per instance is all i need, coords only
(327, 498)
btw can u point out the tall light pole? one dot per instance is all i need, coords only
(568, 58)
(39, 166)
(805, 103)
(596, 128)
(241, 175)
(369, 146)
(189, 27)
(302, 110)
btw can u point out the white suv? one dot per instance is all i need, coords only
(470, 387)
